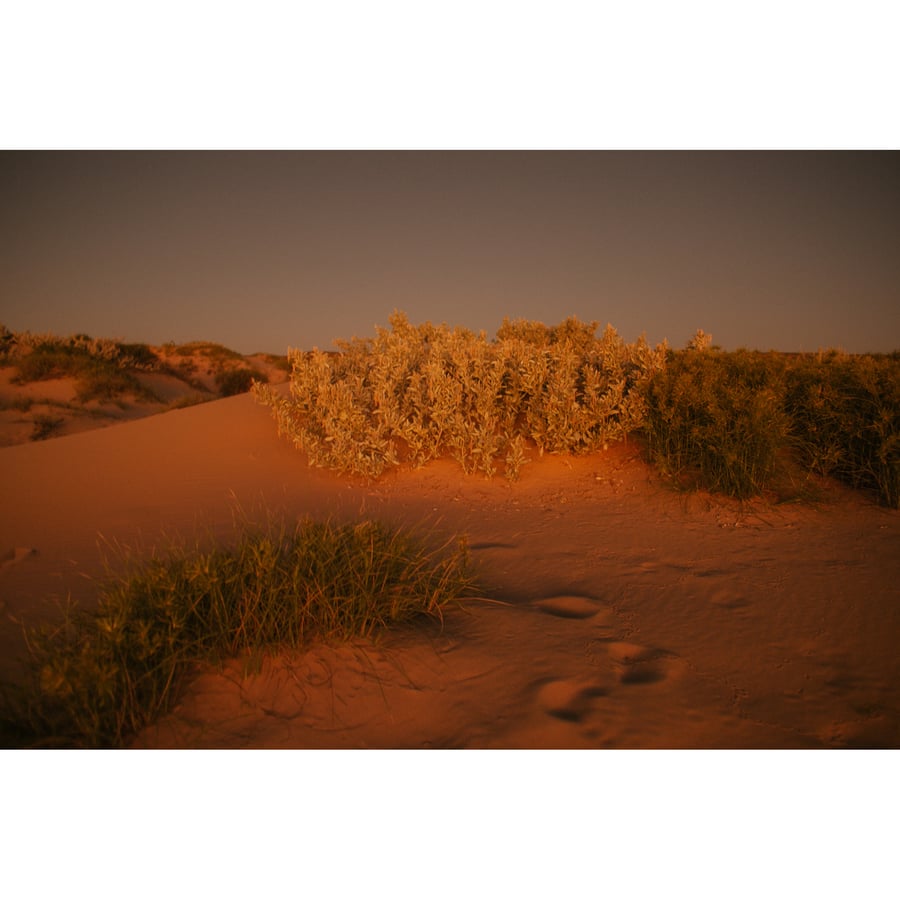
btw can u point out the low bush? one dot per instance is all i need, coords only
(845, 419)
(101, 676)
(7, 344)
(724, 420)
(717, 419)
(413, 393)
(44, 426)
(238, 381)
(720, 420)
(137, 356)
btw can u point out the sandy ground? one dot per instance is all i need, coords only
(614, 612)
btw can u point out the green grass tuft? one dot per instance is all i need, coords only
(101, 676)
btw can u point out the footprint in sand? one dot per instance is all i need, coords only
(569, 700)
(571, 607)
(11, 557)
(637, 664)
(492, 545)
(727, 599)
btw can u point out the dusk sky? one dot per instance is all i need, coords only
(265, 250)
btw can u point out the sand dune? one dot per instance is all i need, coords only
(53, 407)
(615, 613)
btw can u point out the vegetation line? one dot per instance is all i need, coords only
(729, 422)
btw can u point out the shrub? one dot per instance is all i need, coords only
(413, 393)
(717, 419)
(845, 419)
(238, 381)
(7, 344)
(44, 426)
(723, 419)
(103, 675)
(137, 356)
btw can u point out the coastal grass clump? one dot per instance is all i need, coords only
(415, 393)
(101, 676)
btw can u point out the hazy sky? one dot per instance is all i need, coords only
(261, 251)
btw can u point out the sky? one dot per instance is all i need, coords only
(265, 250)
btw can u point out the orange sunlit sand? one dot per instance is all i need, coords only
(614, 611)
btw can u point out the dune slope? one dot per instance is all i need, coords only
(615, 613)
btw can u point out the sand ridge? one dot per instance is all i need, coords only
(614, 612)
(51, 407)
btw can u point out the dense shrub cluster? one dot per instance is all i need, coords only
(718, 418)
(845, 418)
(237, 381)
(725, 419)
(413, 393)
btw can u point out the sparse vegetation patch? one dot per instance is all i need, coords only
(104, 369)
(101, 676)
(216, 352)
